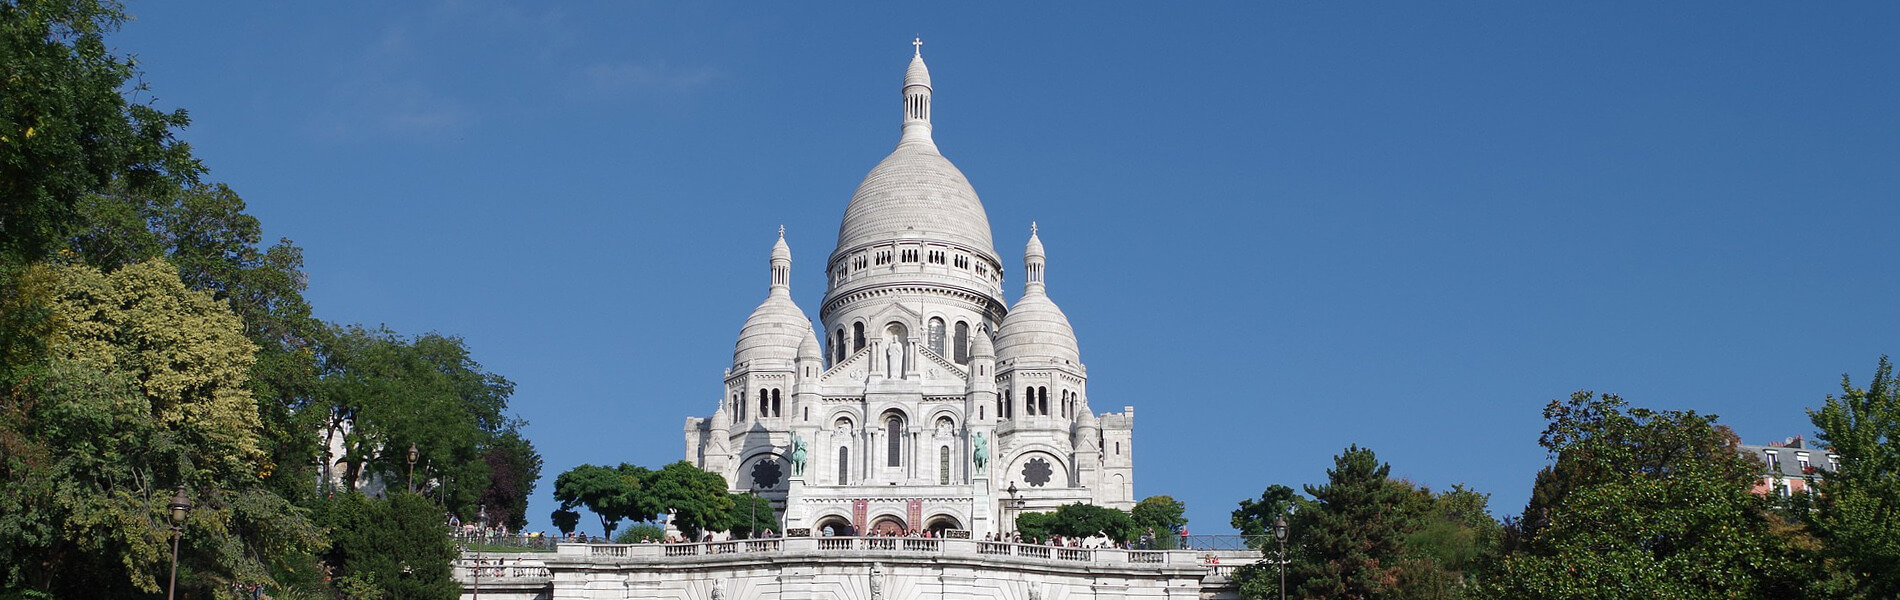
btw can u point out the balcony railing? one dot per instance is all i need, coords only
(882, 545)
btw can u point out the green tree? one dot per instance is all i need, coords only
(396, 547)
(698, 496)
(384, 392)
(67, 129)
(1254, 518)
(1859, 506)
(565, 520)
(752, 515)
(1077, 520)
(144, 389)
(610, 493)
(1354, 538)
(1644, 504)
(1163, 514)
(639, 533)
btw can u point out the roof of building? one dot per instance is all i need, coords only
(916, 192)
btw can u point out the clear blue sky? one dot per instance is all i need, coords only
(1278, 227)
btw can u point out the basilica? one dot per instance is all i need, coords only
(922, 400)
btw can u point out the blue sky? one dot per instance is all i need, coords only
(1278, 228)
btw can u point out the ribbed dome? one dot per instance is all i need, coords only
(915, 192)
(777, 327)
(773, 332)
(1037, 329)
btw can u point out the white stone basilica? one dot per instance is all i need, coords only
(930, 403)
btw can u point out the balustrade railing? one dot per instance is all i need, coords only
(936, 546)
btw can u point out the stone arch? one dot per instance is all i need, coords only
(888, 524)
(936, 524)
(839, 524)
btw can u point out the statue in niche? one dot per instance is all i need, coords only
(798, 456)
(718, 590)
(877, 582)
(982, 455)
(894, 360)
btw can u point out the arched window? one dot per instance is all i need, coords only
(837, 348)
(1042, 408)
(943, 466)
(765, 404)
(777, 411)
(844, 465)
(963, 342)
(857, 337)
(1029, 400)
(936, 335)
(894, 430)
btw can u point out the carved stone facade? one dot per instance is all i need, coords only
(917, 356)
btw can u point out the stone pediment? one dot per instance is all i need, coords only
(944, 367)
(853, 368)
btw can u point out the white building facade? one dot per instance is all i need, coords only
(923, 400)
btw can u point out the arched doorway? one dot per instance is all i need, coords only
(938, 524)
(888, 525)
(833, 526)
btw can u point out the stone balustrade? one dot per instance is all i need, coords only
(531, 575)
(895, 546)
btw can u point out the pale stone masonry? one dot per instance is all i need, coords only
(930, 404)
(918, 361)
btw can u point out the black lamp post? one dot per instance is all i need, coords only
(180, 507)
(1015, 504)
(1279, 535)
(412, 467)
(752, 527)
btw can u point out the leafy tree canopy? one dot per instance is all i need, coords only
(1859, 509)
(1643, 503)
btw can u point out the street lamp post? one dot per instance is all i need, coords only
(1279, 535)
(752, 527)
(412, 467)
(1015, 505)
(180, 507)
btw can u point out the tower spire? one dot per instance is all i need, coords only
(917, 97)
(781, 265)
(1033, 263)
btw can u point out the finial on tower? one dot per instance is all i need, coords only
(918, 42)
(781, 232)
(1032, 228)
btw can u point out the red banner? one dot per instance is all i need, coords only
(916, 514)
(860, 510)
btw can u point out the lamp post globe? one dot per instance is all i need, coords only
(412, 466)
(1279, 535)
(180, 508)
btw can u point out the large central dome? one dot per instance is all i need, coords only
(915, 192)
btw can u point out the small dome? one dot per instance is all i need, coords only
(980, 345)
(773, 333)
(917, 73)
(808, 349)
(1036, 329)
(1087, 419)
